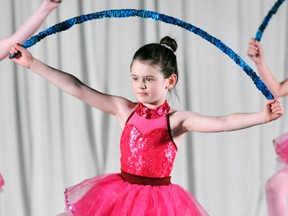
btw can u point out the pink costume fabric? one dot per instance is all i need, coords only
(1, 182)
(276, 187)
(281, 148)
(143, 187)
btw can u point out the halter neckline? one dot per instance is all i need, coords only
(149, 113)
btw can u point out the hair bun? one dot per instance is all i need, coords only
(169, 43)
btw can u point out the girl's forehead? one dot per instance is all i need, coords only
(141, 67)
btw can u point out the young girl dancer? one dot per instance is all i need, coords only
(150, 137)
(26, 30)
(277, 186)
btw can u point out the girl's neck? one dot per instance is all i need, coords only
(155, 104)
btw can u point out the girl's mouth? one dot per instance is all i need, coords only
(142, 94)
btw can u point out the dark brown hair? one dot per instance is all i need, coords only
(160, 54)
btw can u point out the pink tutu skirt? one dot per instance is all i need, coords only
(111, 195)
(281, 147)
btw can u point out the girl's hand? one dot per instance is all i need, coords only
(22, 56)
(273, 109)
(255, 51)
(52, 4)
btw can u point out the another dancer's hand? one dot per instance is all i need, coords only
(255, 51)
(52, 4)
(22, 56)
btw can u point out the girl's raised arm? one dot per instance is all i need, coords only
(29, 27)
(114, 105)
(255, 52)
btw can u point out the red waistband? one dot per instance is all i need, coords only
(141, 180)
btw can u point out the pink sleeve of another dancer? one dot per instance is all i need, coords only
(281, 147)
(1, 181)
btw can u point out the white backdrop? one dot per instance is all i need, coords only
(50, 140)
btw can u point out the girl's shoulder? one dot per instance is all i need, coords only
(181, 114)
(125, 109)
(177, 117)
(176, 120)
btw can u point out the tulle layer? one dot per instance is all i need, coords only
(111, 195)
(281, 147)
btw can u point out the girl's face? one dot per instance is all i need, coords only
(148, 83)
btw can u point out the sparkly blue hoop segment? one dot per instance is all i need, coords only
(267, 18)
(124, 13)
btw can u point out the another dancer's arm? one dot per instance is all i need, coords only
(29, 27)
(255, 52)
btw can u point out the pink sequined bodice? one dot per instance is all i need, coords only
(147, 148)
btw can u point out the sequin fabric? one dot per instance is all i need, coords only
(147, 113)
(147, 148)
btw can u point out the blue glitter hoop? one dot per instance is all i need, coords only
(267, 18)
(124, 13)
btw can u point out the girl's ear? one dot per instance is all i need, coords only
(172, 80)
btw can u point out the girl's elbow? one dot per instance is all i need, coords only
(76, 90)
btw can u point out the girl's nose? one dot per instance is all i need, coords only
(142, 85)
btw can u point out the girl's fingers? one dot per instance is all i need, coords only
(12, 50)
(253, 51)
(276, 107)
(15, 50)
(278, 111)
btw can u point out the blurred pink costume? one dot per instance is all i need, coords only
(281, 147)
(1, 182)
(277, 185)
(143, 187)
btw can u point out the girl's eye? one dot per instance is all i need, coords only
(148, 79)
(134, 78)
